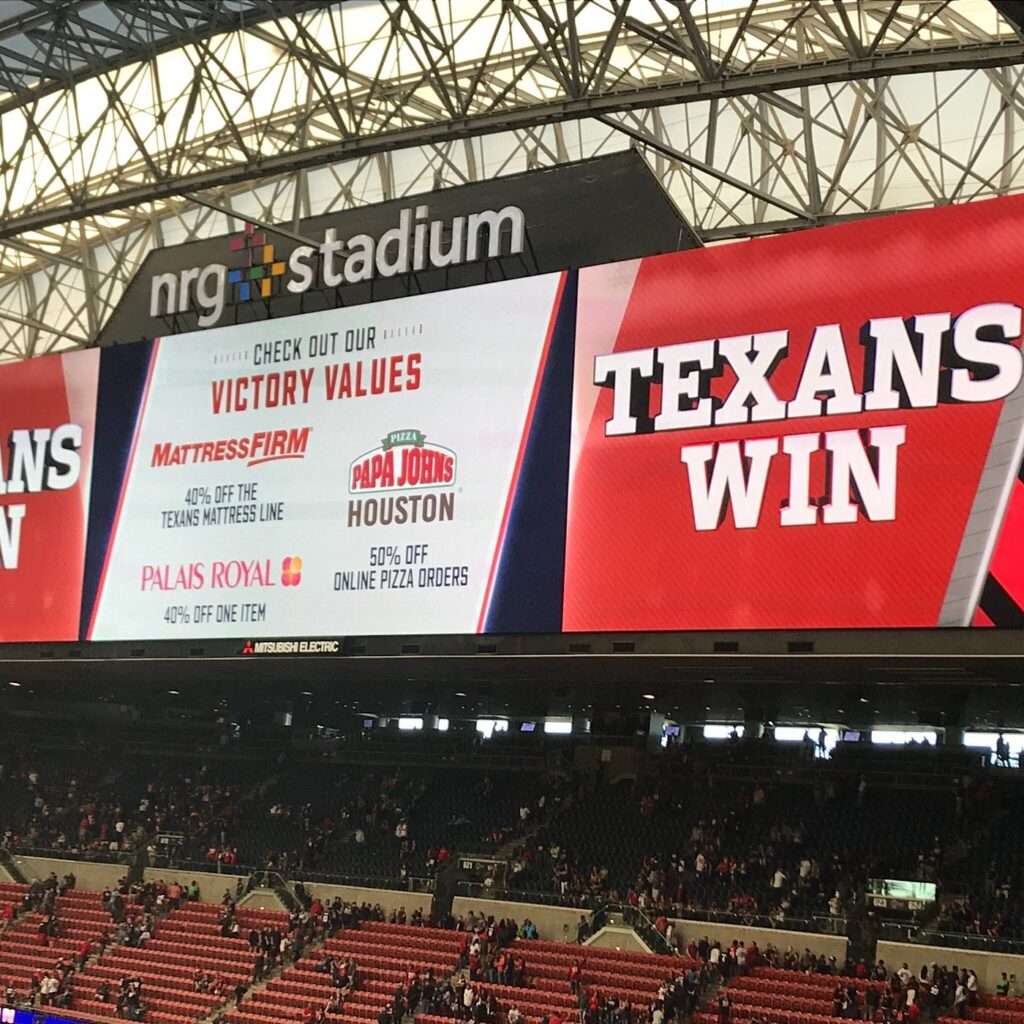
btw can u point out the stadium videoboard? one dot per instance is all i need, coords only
(348, 471)
(47, 420)
(822, 430)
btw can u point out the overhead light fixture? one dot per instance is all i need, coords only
(13, 683)
(647, 696)
(174, 693)
(863, 700)
(459, 693)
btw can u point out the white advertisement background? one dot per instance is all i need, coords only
(481, 348)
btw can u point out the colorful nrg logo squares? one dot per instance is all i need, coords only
(256, 278)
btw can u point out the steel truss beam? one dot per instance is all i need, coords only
(60, 42)
(161, 186)
(762, 117)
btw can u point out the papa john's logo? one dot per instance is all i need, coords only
(405, 461)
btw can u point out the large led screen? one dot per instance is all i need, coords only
(820, 430)
(47, 416)
(374, 470)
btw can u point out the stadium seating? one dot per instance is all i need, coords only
(440, 805)
(766, 1015)
(86, 793)
(624, 976)
(782, 996)
(614, 830)
(21, 956)
(705, 799)
(187, 940)
(384, 954)
(477, 812)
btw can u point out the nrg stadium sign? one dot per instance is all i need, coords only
(417, 243)
(540, 221)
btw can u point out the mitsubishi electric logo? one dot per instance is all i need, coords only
(417, 243)
(256, 647)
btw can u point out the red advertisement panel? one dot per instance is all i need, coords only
(47, 425)
(818, 430)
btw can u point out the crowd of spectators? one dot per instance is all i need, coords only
(486, 958)
(899, 995)
(402, 823)
(50, 987)
(769, 849)
(991, 869)
(351, 809)
(995, 917)
(190, 812)
(126, 997)
(135, 910)
(425, 993)
(86, 805)
(692, 837)
(714, 867)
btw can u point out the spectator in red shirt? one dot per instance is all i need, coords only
(575, 973)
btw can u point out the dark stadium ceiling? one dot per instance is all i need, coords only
(118, 117)
(856, 691)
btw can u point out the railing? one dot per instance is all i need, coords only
(355, 751)
(819, 924)
(216, 867)
(17, 875)
(92, 856)
(276, 882)
(126, 858)
(952, 940)
(637, 920)
(184, 866)
(477, 890)
(413, 883)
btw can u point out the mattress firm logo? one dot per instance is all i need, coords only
(416, 243)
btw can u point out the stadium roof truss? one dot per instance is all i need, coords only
(122, 120)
